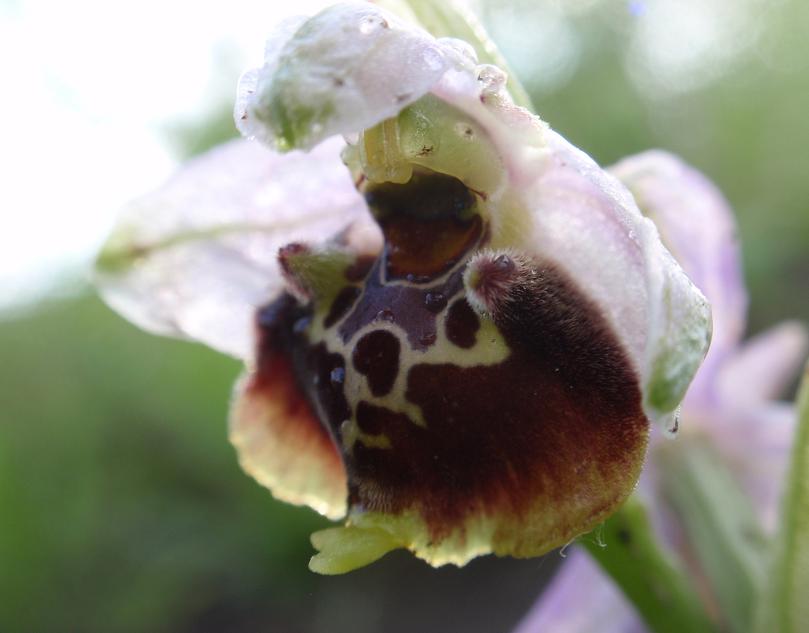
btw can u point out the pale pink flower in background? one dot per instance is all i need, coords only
(732, 401)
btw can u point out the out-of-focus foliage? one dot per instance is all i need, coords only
(122, 504)
(122, 507)
(745, 126)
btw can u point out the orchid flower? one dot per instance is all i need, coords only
(729, 411)
(456, 326)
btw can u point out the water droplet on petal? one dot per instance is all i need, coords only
(372, 24)
(428, 338)
(299, 327)
(386, 314)
(337, 376)
(435, 301)
(490, 78)
(673, 422)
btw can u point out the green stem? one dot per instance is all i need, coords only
(784, 606)
(719, 524)
(649, 577)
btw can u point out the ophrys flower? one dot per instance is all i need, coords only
(456, 338)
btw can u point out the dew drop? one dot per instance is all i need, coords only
(337, 376)
(372, 24)
(599, 534)
(299, 327)
(673, 423)
(490, 78)
(385, 314)
(435, 301)
(428, 338)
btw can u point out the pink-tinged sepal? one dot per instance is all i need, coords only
(331, 75)
(697, 225)
(198, 256)
(763, 367)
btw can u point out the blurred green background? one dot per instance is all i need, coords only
(122, 507)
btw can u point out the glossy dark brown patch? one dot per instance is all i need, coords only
(342, 304)
(420, 250)
(462, 324)
(376, 356)
(427, 224)
(426, 195)
(498, 438)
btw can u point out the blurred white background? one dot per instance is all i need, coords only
(92, 87)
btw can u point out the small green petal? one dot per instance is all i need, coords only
(344, 549)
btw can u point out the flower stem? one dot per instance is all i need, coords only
(719, 523)
(650, 578)
(784, 606)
